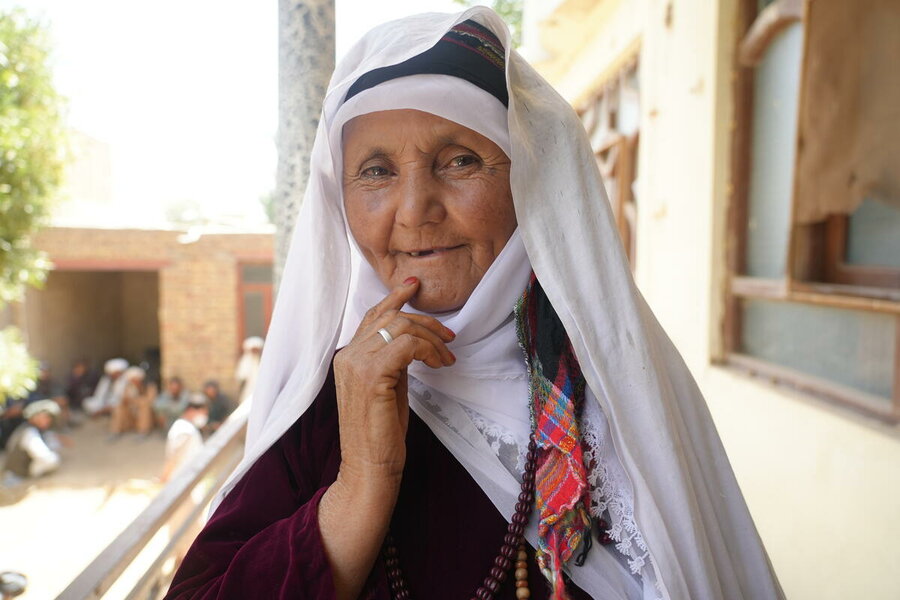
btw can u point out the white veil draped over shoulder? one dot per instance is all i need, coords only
(687, 503)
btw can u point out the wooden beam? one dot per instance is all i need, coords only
(96, 579)
(768, 24)
(757, 287)
(629, 207)
(875, 406)
(838, 271)
(822, 294)
(151, 573)
(736, 239)
(793, 240)
(848, 296)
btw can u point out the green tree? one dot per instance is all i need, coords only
(510, 10)
(269, 204)
(18, 371)
(31, 165)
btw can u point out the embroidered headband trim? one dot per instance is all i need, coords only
(468, 51)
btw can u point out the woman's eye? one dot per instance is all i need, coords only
(375, 171)
(463, 160)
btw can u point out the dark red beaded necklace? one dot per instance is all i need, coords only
(513, 544)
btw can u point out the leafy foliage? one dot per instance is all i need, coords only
(18, 371)
(269, 206)
(510, 10)
(31, 149)
(31, 165)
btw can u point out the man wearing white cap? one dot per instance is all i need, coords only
(33, 450)
(248, 366)
(109, 390)
(184, 439)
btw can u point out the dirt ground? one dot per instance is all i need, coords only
(53, 528)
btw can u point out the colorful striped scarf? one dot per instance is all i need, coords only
(556, 390)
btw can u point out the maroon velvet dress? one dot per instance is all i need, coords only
(264, 541)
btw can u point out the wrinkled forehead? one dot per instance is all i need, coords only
(444, 96)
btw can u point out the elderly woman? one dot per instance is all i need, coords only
(463, 394)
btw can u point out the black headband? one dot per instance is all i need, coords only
(468, 51)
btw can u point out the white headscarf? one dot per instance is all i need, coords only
(700, 536)
(478, 407)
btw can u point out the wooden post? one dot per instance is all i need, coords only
(736, 241)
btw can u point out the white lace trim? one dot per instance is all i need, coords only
(611, 493)
(610, 489)
(505, 444)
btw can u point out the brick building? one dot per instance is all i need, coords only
(182, 300)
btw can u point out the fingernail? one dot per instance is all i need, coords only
(410, 281)
(450, 332)
(453, 356)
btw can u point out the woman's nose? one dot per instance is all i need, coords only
(420, 200)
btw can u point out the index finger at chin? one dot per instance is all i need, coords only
(398, 296)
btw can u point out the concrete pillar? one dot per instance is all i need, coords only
(305, 64)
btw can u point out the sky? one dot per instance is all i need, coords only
(184, 94)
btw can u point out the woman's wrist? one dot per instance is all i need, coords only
(370, 497)
(367, 480)
(369, 493)
(354, 515)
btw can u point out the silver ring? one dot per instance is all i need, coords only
(388, 338)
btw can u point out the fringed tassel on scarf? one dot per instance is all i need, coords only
(557, 395)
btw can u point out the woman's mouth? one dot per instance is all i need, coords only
(425, 252)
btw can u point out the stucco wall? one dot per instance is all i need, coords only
(822, 484)
(75, 315)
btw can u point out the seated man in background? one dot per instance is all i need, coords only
(184, 439)
(135, 411)
(33, 450)
(48, 389)
(169, 405)
(109, 389)
(11, 411)
(81, 383)
(219, 406)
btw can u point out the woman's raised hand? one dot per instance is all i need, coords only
(370, 379)
(373, 412)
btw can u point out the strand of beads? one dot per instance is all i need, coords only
(513, 547)
(395, 575)
(522, 590)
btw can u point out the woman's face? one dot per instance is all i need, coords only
(426, 197)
